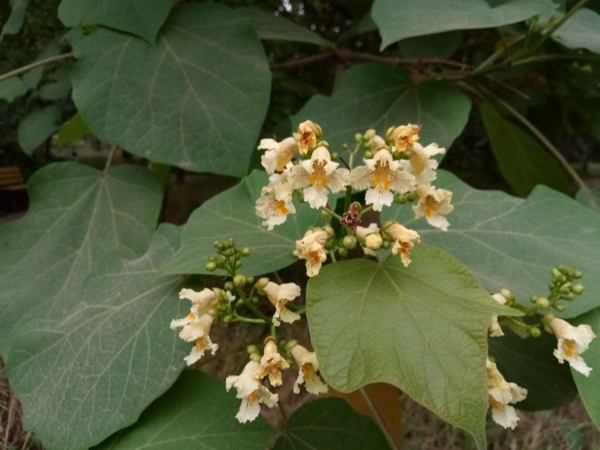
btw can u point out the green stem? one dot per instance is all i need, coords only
(252, 307)
(333, 214)
(538, 134)
(274, 331)
(367, 209)
(238, 318)
(332, 254)
(34, 65)
(544, 58)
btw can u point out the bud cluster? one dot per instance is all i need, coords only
(228, 257)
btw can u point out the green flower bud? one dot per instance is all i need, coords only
(406, 155)
(255, 357)
(349, 242)
(577, 274)
(542, 303)
(507, 294)
(576, 289)
(250, 280)
(547, 318)
(252, 349)
(239, 303)
(556, 273)
(345, 146)
(211, 266)
(228, 286)
(401, 199)
(227, 319)
(396, 156)
(365, 145)
(368, 154)
(535, 332)
(323, 144)
(329, 230)
(335, 156)
(328, 245)
(246, 252)
(240, 281)
(291, 344)
(369, 134)
(343, 252)
(238, 264)
(386, 224)
(559, 307)
(570, 296)
(325, 215)
(386, 244)
(411, 196)
(358, 137)
(261, 283)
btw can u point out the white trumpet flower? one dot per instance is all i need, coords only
(312, 248)
(271, 365)
(434, 205)
(278, 154)
(275, 204)
(501, 394)
(279, 295)
(572, 342)
(251, 392)
(421, 165)
(495, 328)
(308, 366)
(404, 240)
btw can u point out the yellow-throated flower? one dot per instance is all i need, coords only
(405, 136)
(278, 154)
(572, 342)
(271, 364)
(312, 248)
(275, 203)
(434, 205)
(251, 391)
(318, 174)
(308, 135)
(501, 395)
(421, 165)
(308, 366)
(404, 240)
(381, 176)
(279, 295)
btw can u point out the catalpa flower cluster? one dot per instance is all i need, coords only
(395, 168)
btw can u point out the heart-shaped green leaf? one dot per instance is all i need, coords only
(580, 31)
(37, 126)
(421, 328)
(232, 214)
(196, 100)
(508, 242)
(523, 161)
(76, 215)
(330, 424)
(411, 18)
(140, 17)
(93, 372)
(196, 412)
(374, 96)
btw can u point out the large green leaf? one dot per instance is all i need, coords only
(37, 126)
(15, 20)
(11, 89)
(195, 413)
(590, 198)
(421, 328)
(589, 387)
(94, 371)
(523, 161)
(508, 242)
(273, 28)
(330, 424)
(441, 45)
(374, 96)
(140, 17)
(76, 215)
(409, 18)
(523, 360)
(196, 100)
(580, 31)
(232, 214)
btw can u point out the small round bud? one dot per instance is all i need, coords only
(323, 144)
(238, 264)
(400, 199)
(547, 318)
(389, 134)
(386, 224)
(250, 280)
(218, 245)
(577, 274)
(227, 319)
(507, 294)
(386, 244)
(240, 280)
(556, 273)
(328, 245)
(406, 155)
(211, 266)
(246, 251)
(559, 307)
(343, 252)
(239, 303)
(335, 156)
(261, 283)
(325, 215)
(396, 156)
(213, 258)
(349, 242)
(255, 357)
(358, 137)
(365, 145)
(228, 286)
(411, 196)
(329, 230)
(252, 349)
(535, 332)
(565, 290)
(542, 303)
(374, 241)
(290, 345)
(369, 134)
(576, 289)
(368, 154)
(533, 299)
(570, 296)
(345, 146)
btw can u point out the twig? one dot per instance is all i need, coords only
(294, 63)
(379, 419)
(508, 87)
(35, 65)
(531, 127)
